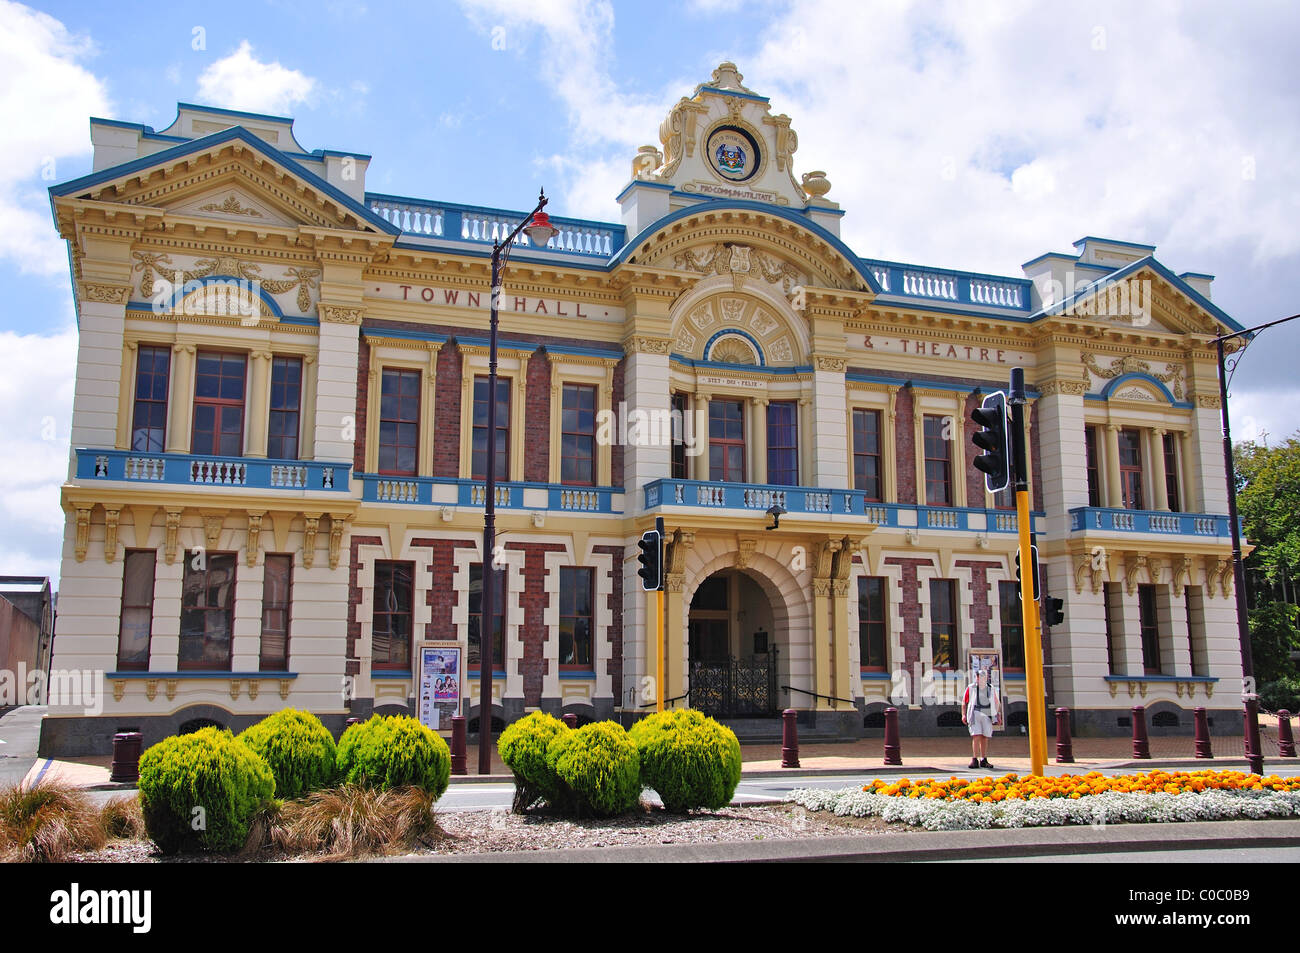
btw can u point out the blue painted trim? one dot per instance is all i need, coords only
(726, 366)
(639, 183)
(920, 303)
(200, 673)
(1139, 376)
(762, 362)
(588, 676)
(474, 673)
(222, 111)
(1113, 241)
(471, 249)
(1196, 274)
(390, 673)
(1013, 676)
(733, 92)
(216, 139)
(790, 215)
(885, 676)
(196, 284)
(1160, 678)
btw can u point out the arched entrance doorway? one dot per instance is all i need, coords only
(732, 650)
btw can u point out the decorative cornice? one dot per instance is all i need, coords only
(835, 364)
(1208, 401)
(1062, 386)
(644, 344)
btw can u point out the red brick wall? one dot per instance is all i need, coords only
(353, 667)
(910, 587)
(905, 446)
(537, 419)
(616, 467)
(974, 478)
(446, 422)
(443, 595)
(535, 663)
(616, 618)
(363, 388)
(981, 611)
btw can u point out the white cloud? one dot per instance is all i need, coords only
(46, 95)
(241, 81)
(35, 414)
(1264, 416)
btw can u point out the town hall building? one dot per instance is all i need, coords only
(276, 486)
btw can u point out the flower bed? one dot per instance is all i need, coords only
(1093, 798)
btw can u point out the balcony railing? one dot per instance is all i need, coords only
(958, 287)
(434, 491)
(194, 470)
(469, 223)
(1083, 518)
(814, 501)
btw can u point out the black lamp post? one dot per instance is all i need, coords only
(1254, 754)
(537, 226)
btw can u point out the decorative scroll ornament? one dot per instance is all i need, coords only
(739, 261)
(648, 345)
(105, 294)
(154, 266)
(334, 314)
(1128, 364)
(230, 206)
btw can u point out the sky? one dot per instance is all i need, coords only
(959, 135)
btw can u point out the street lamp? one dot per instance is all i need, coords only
(1254, 754)
(537, 226)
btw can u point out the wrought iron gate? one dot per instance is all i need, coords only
(735, 687)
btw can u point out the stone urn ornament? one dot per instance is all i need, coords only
(816, 184)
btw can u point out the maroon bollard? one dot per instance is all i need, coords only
(1064, 745)
(459, 763)
(789, 739)
(1285, 743)
(126, 757)
(1141, 747)
(571, 720)
(1202, 722)
(350, 722)
(893, 752)
(1250, 719)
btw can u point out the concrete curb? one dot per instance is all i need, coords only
(917, 847)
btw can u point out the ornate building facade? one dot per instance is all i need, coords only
(276, 490)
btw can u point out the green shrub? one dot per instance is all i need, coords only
(393, 752)
(522, 747)
(208, 769)
(298, 749)
(689, 759)
(598, 769)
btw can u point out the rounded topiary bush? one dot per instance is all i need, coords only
(297, 748)
(200, 791)
(688, 759)
(394, 752)
(598, 769)
(522, 747)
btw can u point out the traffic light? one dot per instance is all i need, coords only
(994, 440)
(652, 560)
(1033, 558)
(1053, 611)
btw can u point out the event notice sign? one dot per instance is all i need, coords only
(439, 683)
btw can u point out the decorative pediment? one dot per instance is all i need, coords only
(229, 177)
(736, 329)
(234, 204)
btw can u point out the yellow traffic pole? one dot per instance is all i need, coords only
(659, 649)
(1034, 688)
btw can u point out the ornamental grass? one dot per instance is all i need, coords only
(47, 822)
(355, 821)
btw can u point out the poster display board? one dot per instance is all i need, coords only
(439, 689)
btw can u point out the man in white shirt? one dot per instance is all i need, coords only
(979, 712)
